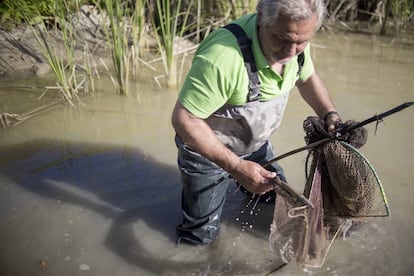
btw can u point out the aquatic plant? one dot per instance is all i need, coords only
(124, 32)
(137, 35)
(402, 13)
(126, 22)
(169, 21)
(16, 11)
(116, 34)
(61, 58)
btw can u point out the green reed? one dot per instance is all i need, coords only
(385, 12)
(124, 33)
(237, 8)
(60, 57)
(125, 23)
(117, 39)
(402, 13)
(169, 20)
(137, 35)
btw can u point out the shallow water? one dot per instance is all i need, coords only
(94, 190)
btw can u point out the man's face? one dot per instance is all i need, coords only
(285, 38)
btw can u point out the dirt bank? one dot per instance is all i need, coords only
(20, 53)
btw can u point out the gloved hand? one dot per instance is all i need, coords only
(317, 129)
(357, 137)
(332, 121)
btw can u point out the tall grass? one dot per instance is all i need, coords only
(237, 8)
(117, 38)
(169, 20)
(61, 58)
(137, 34)
(126, 22)
(124, 31)
(384, 13)
(402, 12)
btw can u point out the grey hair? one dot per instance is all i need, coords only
(294, 9)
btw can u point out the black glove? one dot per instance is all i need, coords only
(356, 137)
(316, 129)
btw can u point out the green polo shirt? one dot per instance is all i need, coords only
(218, 74)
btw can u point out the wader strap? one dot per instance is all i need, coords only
(301, 61)
(246, 49)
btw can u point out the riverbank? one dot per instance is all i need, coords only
(21, 55)
(20, 52)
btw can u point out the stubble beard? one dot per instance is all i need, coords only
(273, 59)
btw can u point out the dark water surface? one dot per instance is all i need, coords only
(94, 189)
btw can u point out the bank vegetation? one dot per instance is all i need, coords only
(142, 33)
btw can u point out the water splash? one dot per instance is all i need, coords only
(255, 205)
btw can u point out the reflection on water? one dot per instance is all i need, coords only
(97, 184)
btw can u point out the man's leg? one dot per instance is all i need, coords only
(203, 196)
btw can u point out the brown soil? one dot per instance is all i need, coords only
(20, 53)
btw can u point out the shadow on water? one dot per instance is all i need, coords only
(140, 196)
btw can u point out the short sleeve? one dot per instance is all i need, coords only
(205, 88)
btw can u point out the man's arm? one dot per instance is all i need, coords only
(201, 138)
(314, 92)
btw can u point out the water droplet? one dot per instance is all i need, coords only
(84, 267)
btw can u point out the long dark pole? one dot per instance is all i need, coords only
(342, 131)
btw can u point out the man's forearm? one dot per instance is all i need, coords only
(314, 92)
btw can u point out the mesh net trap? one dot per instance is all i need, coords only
(343, 190)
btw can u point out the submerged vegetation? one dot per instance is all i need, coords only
(137, 32)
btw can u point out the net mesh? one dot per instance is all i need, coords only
(344, 189)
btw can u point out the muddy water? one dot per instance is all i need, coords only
(94, 190)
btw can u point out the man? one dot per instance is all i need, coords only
(223, 127)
